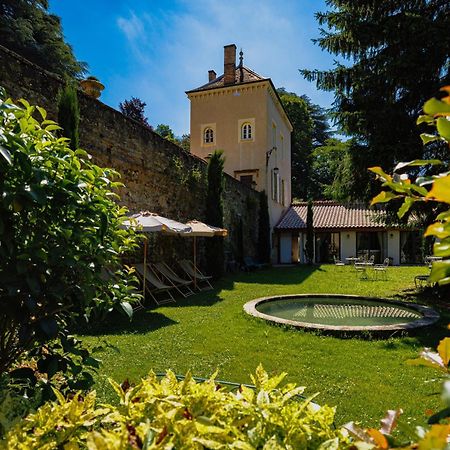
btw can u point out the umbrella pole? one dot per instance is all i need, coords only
(145, 265)
(195, 263)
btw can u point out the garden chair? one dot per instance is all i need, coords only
(250, 264)
(381, 268)
(157, 290)
(193, 273)
(180, 284)
(338, 262)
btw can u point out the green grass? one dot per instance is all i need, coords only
(210, 331)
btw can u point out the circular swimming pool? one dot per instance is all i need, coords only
(341, 313)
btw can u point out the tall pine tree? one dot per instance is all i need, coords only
(396, 55)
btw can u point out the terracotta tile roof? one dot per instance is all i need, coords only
(248, 76)
(330, 215)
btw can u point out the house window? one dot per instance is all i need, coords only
(275, 186)
(246, 132)
(208, 136)
(247, 180)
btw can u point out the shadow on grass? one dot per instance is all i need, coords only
(278, 275)
(144, 321)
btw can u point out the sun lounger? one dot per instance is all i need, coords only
(194, 274)
(251, 264)
(157, 290)
(181, 285)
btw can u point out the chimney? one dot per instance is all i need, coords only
(211, 75)
(229, 64)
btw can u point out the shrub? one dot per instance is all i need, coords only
(69, 114)
(214, 213)
(263, 229)
(169, 413)
(60, 228)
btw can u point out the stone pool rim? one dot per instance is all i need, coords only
(430, 316)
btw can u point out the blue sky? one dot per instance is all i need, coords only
(157, 50)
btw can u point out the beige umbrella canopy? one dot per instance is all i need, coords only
(148, 222)
(200, 229)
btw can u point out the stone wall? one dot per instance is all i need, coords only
(158, 175)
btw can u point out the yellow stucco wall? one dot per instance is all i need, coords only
(225, 110)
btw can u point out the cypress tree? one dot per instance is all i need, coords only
(214, 213)
(263, 229)
(69, 114)
(309, 245)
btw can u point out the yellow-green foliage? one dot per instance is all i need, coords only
(183, 414)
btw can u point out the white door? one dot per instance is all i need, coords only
(285, 248)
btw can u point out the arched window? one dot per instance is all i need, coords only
(246, 131)
(208, 136)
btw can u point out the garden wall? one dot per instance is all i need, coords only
(158, 175)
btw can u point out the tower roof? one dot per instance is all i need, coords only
(243, 75)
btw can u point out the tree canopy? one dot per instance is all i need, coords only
(27, 28)
(396, 55)
(135, 109)
(311, 129)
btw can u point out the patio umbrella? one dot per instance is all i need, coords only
(200, 229)
(148, 222)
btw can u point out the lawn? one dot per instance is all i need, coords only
(210, 331)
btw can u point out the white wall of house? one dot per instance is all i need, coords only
(286, 248)
(393, 246)
(348, 244)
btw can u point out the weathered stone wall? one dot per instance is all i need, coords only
(158, 175)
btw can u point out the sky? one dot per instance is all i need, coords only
(158, 49)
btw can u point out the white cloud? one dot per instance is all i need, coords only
(176, 48)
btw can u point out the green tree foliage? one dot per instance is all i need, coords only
(60, 229)
(69, 114)
(135, 109)
(185, 142)
(330, 170)
(166, 132)
(311, 129)
(301, 141)
(27, 28)
(263, 229)
(435, 189)
(396, 56)
(214, 213)
(309, 245)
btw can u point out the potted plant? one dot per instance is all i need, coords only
(92, 86)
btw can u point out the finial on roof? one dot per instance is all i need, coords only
(241, 58)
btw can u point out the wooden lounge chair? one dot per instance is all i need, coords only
(193, 273)
(157, 290)
(251, 264)
(181, 285)
(338, 262)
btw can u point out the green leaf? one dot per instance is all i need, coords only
(424, 119)
(127, 309)
(434, 106)
(440, 190)
(442, 248)
(439, 271)
(417, 162)
(443, 127)
(379, 171)
(444, 350)
(426, 138)
(405, 206)
(383, 197)
(6, 154)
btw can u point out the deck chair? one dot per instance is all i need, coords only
(193, 272)
(157, 290)
(181, 285)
